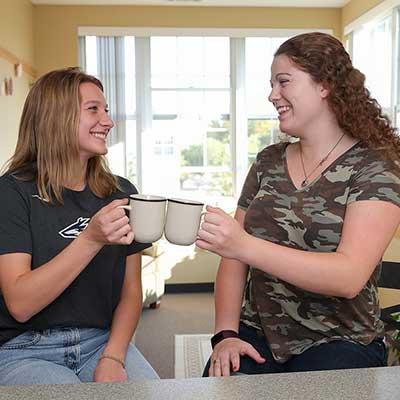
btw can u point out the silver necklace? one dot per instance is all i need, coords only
(306, 176)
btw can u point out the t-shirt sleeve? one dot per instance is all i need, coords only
(128, 188)
(250, 187)
(376, 181)
(15, 232)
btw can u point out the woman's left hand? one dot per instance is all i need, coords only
(108, 370)
(221, 234)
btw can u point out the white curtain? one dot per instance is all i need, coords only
(110, 70)
(82, 52)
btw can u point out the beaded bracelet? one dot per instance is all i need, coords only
(118, 360)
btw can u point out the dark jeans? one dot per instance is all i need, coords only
(337, 354)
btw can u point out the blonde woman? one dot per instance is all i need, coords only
(69, 268)
(313, 221)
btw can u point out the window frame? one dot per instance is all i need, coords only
(388, 8)
(237, 37)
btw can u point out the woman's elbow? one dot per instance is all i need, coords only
(18, 312)
(351, 291)
(351, 295)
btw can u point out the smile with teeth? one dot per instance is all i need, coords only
(99, 135)
(282, 109)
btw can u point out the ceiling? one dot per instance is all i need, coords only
(207, 3)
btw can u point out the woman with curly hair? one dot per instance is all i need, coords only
(70, 271)
(313, 221)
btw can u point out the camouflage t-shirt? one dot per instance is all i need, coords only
(311, 219)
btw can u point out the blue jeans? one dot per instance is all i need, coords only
(338, 354)
(65, 355)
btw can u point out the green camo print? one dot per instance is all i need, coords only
(311, 219)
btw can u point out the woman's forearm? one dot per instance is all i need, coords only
(31, 291)
(125, 320)
(127, 313)
(229, 288)
(367, 230)
(331, 274)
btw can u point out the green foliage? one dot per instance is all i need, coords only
(217, 153)
(259, 135)
(192, 156)
(222, 183)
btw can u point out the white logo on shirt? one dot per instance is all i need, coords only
(74, 230)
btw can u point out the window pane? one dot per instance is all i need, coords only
(130, 108)
(131, 150)
(262, 133)
(218, 143)
(189, 62)
(91, 55)
(372, 54)
(121, 155)
(130, 75)
(262, 123)
(190, 143)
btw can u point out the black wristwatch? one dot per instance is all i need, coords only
(221, 335)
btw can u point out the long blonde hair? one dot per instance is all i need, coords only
(47, 150)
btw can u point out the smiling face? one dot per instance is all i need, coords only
(94, 122)
(298, 99)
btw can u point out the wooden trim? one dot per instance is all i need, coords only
(397, 234)
(388, 297)
(15, 60)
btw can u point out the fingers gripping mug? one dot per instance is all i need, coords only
(146, 216)
(183, 221)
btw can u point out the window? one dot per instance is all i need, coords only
(375, 39)
(190, 96)
(380, 38)
(196, 109)
(130, 102)
(262, 125)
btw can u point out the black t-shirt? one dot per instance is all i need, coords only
(31, 225)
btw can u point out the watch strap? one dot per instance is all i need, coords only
(221, 335)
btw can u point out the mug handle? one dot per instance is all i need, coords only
(202, 217)
(125, 207)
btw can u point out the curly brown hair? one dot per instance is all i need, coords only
(358, 114)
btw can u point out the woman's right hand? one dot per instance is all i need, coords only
(226, 356)
(110, 225)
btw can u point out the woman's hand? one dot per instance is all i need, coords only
(108, 370)
(110, 225)
(221, 234)
(226, 356)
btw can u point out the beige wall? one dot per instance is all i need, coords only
(16, 28)
(16, 37)
(56, 27)
(356, 8)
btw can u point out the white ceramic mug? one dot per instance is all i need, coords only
(183, 221)
(147, 216)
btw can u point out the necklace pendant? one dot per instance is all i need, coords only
(304, 183)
